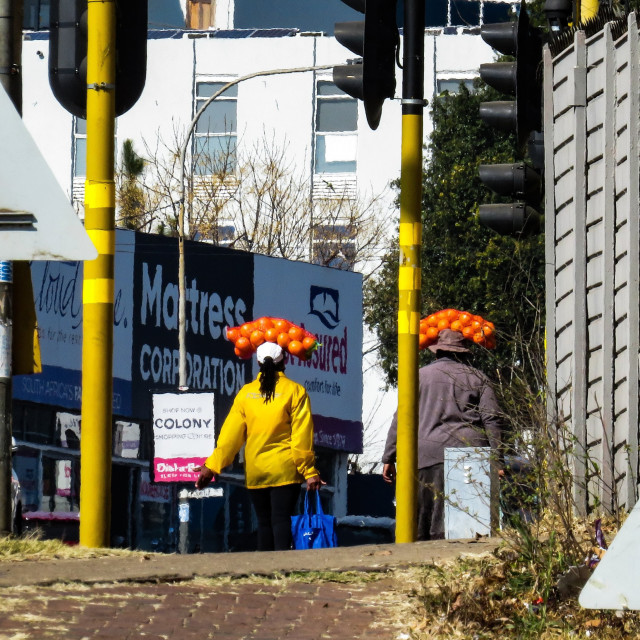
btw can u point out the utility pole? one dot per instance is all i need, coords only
(98, 285)
(10, 66)
(409, 277)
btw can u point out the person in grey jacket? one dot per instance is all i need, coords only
(457, 408)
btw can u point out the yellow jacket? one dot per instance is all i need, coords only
(278, 435)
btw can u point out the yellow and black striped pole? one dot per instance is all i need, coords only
(98, 286)
(409, 277)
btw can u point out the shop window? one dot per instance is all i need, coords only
(216, 130)
(336, 130)
(34, 423)
(60, 484)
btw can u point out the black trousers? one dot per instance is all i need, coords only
(274, 507)
(431, 502)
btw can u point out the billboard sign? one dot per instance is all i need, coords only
(224, 287)
(328, 303)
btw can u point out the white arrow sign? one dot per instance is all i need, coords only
(37, 221)
(616, 579)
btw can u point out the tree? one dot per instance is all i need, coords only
(255, 200)
(131, 200)
(464, 265)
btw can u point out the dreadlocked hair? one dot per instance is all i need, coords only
(269, 377)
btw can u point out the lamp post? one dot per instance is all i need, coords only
(182, 294)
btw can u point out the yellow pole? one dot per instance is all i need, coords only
(409, 276)
(588, 9)
(409, 280)
(98, 289)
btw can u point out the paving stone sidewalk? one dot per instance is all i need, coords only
(185, 611)
(156, 596)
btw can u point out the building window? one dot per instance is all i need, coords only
(335, 246)
(216, 130)
(452, 85)
(336, 130)
(79, 147)
(36, 14)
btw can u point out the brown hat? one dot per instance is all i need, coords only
(449, 340)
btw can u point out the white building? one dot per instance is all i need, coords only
(324, 132)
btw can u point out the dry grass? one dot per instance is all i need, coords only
(495, 597)
(30, 547)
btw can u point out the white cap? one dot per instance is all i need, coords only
(269, 350)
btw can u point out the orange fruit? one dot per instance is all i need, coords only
(487, 330)
(264, 323)
(243, 344)
(281, 325)
(478, 338)
(423, 341)
(452, 314)
(475, 325)
(308, 343)
(432, 333)
(464, 318)
(432, 321)
(296, 333)
(456, 325)
(257, 337)
(440, 314)
(271, 335)
(296, 348)
(468, 332)
(443, 324)
(232, 334)
(247, 329)
(283, 339)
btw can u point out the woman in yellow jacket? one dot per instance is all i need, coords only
(271, 416)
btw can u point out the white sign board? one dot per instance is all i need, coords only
(183, 434)
(37, 221)
(614, 583)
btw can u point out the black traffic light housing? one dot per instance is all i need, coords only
(522, 116)
(68, 53)
(521, 79)
(371, 79)
(519, 181)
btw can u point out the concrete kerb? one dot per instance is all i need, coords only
(172, 567)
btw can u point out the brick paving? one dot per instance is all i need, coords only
(222, 610)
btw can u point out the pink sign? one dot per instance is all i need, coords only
(176, 469)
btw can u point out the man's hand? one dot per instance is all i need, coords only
(314, 483)
(205, 477)
(389, 472)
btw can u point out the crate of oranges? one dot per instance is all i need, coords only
(293, 339)
(472, 327)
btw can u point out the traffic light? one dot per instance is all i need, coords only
(521, 182)
(521, 79)
(372, 78)
(523, 117)
(68, 53)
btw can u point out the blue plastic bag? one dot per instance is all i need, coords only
(313, 530)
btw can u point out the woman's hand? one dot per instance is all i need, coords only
(314, 483)
(205, 477)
